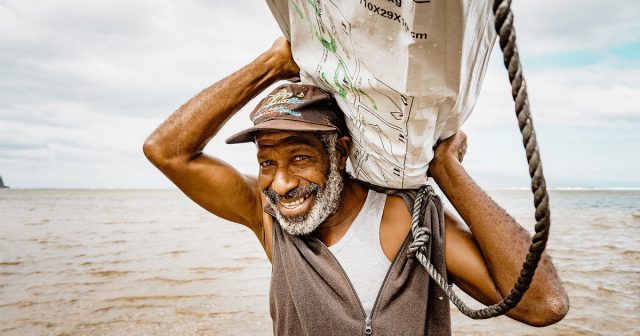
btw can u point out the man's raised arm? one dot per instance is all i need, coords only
(484, 257)
(176, 146)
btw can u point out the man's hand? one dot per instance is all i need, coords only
(282, 49)
(451, 149)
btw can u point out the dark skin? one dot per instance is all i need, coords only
(484, 250)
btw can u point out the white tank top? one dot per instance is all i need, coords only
(360, 254)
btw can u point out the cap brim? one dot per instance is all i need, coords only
(249, 134)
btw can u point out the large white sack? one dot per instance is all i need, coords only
(406, 73)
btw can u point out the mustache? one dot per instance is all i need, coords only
(298, 192)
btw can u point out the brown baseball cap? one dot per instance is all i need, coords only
(294, 107)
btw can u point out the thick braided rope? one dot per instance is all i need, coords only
(506, 32)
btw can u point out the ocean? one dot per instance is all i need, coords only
(151, 262)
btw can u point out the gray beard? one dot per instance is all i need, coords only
(326, 201)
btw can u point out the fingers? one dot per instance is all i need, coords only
(455, 146)
(281, 48)
(462, 146)
(280, 41)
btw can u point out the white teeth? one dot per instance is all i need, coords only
(293, 204)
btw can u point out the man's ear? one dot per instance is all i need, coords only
(344, 145)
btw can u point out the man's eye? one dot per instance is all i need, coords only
(300, 158)
(266, 163)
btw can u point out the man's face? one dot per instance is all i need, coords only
(299, 178)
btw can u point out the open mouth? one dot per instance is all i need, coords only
(294, 204)
(295, 207)
(297, 202)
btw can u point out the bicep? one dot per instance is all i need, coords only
(465, 263)
(219, 188)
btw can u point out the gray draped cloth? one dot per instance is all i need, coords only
(311, 295)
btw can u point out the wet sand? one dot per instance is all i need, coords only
(113, 262)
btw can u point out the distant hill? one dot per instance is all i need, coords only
(2, 184)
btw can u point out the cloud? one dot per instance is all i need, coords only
(83, 83)
(594, 95)
(605, 94)
(575, 25)
(132, 56)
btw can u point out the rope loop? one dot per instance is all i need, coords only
(511, 58)
(421, 237)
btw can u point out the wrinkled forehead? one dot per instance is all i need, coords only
(272, 139)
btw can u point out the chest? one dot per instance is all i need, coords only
(360, 253)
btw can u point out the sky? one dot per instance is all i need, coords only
(83, 83)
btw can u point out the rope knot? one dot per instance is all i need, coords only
(420, 240)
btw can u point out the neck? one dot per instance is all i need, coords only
(352, 199)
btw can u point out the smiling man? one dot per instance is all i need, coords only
(337, 247)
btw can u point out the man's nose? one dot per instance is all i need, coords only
(283, 181)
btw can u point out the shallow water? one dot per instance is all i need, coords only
(150, 262)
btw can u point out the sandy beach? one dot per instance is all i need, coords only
(150, 262)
